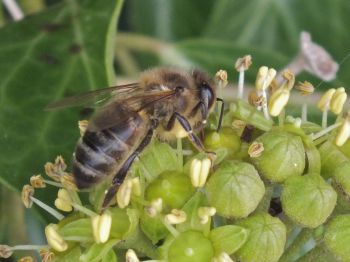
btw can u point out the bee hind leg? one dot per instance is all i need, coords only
(121, 174)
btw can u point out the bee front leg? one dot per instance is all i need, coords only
(192, 137)
(121, 174)
(221, 113)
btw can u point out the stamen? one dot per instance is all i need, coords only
(131, 256)
(54, 239)
(278, 101)
(63, 201)
(124, 193)
(48, 209)
(325, 131)
(241, 65)
(37, 181)
(83, 124)
(175, 217)
(263, 80)
(83, 209)
(305, 88)
(68, 182)
(155, 207)
(101, 227)
(136, 186)
(204, 213)
(255, 149)
(28, 199)
(323, 104)
(199, 171)
(338, 100)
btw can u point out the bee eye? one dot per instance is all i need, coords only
(179, 89)
(207, 93)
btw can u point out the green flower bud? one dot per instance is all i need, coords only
(283, 156)
(308, 200)
(193, 221)
(77, 230)
(337, 237)
(173, 187)
(190, 246)
(345, 149)
(341, 178)
(235, 189)
(310, 127)
(331, 158)
(266, 239)
(313, 159)
(157, 158)
(124, 222)
(226, 138)
(153, 227)
(228, 238)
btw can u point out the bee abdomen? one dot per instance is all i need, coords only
(99, 154)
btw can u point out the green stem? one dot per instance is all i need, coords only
(170, 228)
(265, 202)
(325, 131)
(126, 60)
(179, 153)
(29, 247)
(281, 117)
(304, 113)
(48, 209)
(293, 251)
(84, 210)
(324, 118)
(240, 92)
(52, 183)
(141, 43)
(318, 253)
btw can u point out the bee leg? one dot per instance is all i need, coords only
(120, 176)
(221, 113)
(204, 111)
(193, 138)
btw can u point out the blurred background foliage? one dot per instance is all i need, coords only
(64, 47)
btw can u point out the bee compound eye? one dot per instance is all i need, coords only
(179, 89)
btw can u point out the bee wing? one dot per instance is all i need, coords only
(95, 97)
(118, 111)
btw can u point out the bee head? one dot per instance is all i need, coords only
(206, 87)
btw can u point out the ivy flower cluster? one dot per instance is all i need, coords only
(277, 182)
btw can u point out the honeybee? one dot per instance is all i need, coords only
(165, 102)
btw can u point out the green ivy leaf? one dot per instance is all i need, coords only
(64, 50)
(169, 20)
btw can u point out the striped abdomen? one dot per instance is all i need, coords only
(100, 154)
